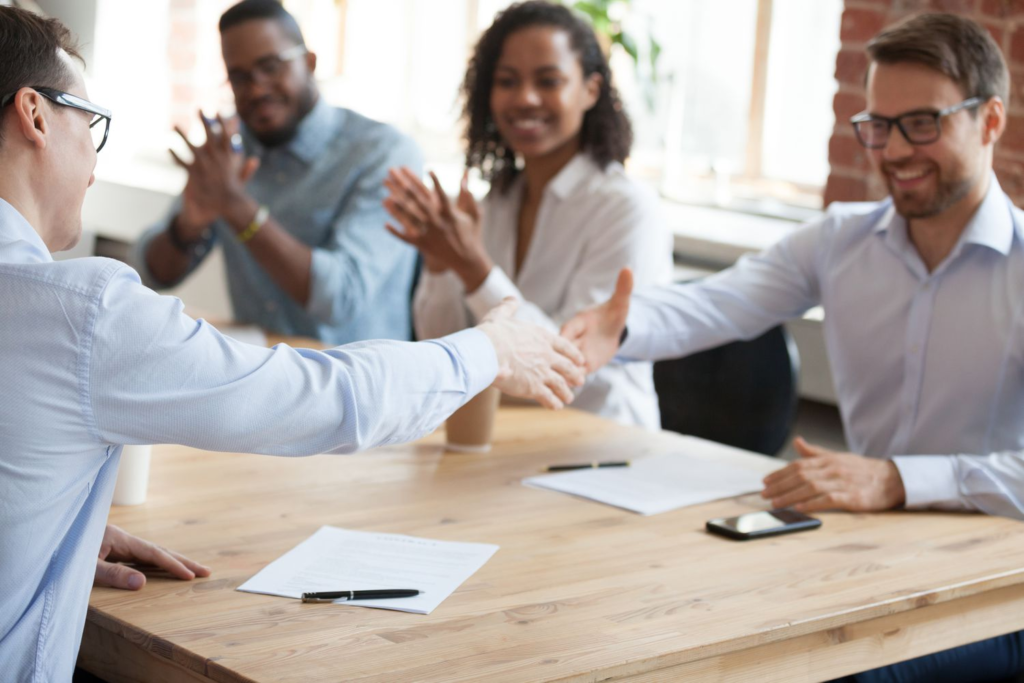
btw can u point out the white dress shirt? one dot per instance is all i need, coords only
(928, 367)
(93, 360)
(590, 224)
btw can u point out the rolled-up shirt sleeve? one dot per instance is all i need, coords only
(360, 256)
(137, 255)
(993, 484)
(155, 375)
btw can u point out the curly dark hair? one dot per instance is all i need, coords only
(606, 133)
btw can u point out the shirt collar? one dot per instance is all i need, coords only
(19, 242)
(314, 132)
(579, 168)
(991, 225)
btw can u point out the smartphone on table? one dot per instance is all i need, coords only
(762, 524)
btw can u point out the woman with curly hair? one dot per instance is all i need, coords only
(545, 126)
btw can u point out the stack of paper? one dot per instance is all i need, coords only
(699, 472)
(335, 559)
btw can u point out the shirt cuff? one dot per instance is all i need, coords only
(479, 360)
(928, 480)
(492, 292)
(636, 323)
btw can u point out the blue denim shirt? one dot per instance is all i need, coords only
(325, 188)
(93, 360)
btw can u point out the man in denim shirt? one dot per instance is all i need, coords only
(295, 200)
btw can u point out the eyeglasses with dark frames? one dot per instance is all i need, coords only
(64, 99)
(268, 68)
(917, 127)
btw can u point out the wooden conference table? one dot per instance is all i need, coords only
(578, 591)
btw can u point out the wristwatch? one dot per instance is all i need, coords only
(196, 248)
(622, 337)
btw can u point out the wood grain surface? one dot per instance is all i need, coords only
(578, 591)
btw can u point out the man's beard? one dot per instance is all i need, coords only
(947, 193)
(286, 133)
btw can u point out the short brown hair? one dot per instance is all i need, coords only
(29, 46)
(954, 46)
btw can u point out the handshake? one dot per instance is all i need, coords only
(537, 364)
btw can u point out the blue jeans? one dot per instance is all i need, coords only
(987, 661)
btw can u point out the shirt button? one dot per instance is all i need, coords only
(282, 178)
(915, 349)
(271, 306)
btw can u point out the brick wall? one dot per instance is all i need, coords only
(851, 178)
(196, 68)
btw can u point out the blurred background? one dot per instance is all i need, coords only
(731, 101)
(740, 108)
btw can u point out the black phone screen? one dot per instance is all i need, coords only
(763, 523)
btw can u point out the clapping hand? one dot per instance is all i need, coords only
(447, 235)
(216, 176)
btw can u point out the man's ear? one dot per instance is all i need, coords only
(993, 120)
(31, 117)
(311, 62)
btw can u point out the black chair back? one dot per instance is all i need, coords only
(742, 394)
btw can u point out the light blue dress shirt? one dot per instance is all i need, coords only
(93, 360)
(325, 187)
(928, 367)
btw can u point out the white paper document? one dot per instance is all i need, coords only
(697, 471)
(336, 559)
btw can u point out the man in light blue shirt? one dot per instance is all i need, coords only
(93, 360)
(924, 309)
(297, 210)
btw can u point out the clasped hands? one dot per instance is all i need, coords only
(533, 363)
(821, 479)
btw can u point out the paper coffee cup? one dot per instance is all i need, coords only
(469, 429)
(132, 476)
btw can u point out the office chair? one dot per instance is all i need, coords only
(742, 394)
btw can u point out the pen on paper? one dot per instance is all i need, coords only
(387, 594)
(586, 466)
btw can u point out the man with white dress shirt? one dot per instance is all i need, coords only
(94, 360)
(924, 310)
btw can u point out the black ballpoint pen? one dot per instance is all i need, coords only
(360, 595)
(586, 466)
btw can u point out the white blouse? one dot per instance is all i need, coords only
(590, 224)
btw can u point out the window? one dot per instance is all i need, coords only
(741, 109)
(744, 99)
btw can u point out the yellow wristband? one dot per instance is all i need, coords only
(262, 214)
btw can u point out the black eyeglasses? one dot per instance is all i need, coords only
(268, 68)
(918, 127)
(64, 99)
